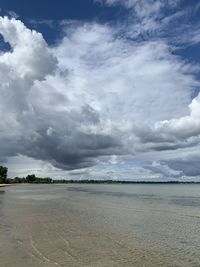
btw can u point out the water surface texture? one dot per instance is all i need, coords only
(100, 225)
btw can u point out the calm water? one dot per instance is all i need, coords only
(100, 225)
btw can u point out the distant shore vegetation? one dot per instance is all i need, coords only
(33, 179)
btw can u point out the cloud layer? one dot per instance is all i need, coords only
(96, 98)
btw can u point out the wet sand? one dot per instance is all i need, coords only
(93, 226)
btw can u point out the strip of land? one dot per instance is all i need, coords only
(2, 185)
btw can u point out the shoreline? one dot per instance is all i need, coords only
(101, 182)
(3, 185)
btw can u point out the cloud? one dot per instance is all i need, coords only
(35, 125)
(28, 61)
(184, 127)
(171, 21)
(189, 165)
(147, 17)
(145, 8)
(46, 22)
(96, 94)
(174, 133)
(13, 14)
(30, 57)
(164, 171)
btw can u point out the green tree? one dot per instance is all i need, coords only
(3, 174)
(31, 178)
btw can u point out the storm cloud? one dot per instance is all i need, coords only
(37, 128)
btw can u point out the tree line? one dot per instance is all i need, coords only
(33, 179)
(30, 179)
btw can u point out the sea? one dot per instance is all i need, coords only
(141, 225)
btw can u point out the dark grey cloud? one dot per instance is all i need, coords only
(189, 165)
(164, 170)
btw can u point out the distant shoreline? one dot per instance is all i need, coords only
(41, 181)
(122, 182)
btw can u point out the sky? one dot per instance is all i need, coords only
(100, 89)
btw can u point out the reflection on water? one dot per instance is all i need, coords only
(113, 194)
(39, 197)
(100, 225)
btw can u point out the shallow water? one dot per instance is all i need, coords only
(100, 225)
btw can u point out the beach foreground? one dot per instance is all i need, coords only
(100, 225)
